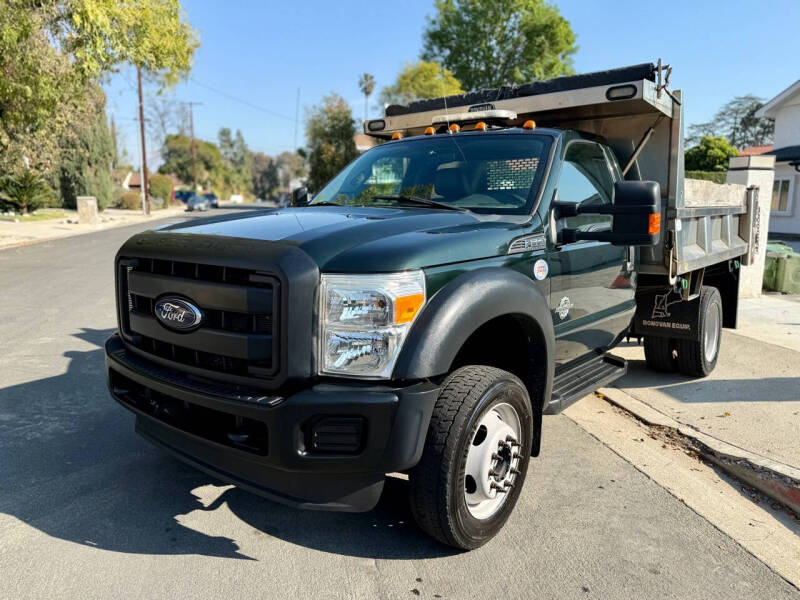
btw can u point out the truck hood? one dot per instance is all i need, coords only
(360, 239)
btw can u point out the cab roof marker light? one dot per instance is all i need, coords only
(481, 126)
(454, 128)
(430, 131)
(529, 124)
(397, 135)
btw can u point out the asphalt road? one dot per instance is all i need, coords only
(90, 510)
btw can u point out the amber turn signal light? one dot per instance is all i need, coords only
(654, 223)
(407, 306)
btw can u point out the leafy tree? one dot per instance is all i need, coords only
(486, 43)
(291, 165)
(212, 171)
(737, 122)
(330, 129)
(25, 192)
(711, 154)
(86, 154)
(51, 50)
(421, 80)
(265, 175)
(238, 160)
(161, 187)
(367, 85)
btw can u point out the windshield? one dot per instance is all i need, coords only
(482, 173)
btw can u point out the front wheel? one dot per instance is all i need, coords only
(475, 458)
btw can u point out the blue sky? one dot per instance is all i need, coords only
(263, 52)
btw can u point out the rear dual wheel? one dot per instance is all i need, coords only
(696, 358)
(475, 457)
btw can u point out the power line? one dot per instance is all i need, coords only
(245, 102)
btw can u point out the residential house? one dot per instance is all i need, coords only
(785, 202)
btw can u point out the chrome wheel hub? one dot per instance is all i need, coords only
(711, 342)
(492, 461)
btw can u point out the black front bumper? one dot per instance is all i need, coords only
(265, 443)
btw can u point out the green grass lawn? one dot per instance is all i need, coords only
(43, 214)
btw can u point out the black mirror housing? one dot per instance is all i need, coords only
(300, 196)
(636, 211)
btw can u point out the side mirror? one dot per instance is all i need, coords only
(300, 196)
(636, 211)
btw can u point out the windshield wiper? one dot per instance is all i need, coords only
(422, 202)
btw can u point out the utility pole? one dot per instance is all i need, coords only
(191, 131)
(145, 191)
(296, 117)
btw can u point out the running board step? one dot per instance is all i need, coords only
(584, 378)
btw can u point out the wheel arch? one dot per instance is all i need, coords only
(460, 316)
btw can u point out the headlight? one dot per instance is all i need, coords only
(365, 320)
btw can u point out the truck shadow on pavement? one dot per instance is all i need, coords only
(72, 467)
(710, 389)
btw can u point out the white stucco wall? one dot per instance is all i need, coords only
(787, 133)
(787, 123)
(779, 223)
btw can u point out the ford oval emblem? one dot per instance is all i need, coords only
(177, 313)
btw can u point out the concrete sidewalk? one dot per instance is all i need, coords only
(20, 234)
(748, 409)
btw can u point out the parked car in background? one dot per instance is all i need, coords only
(182, 195)
(197, 202)
(213, 201)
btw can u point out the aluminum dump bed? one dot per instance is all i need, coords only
(642, 121)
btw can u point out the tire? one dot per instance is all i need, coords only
(658, 353)
(698, 358)
(471, 398)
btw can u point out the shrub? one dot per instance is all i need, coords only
(130, 201)
(711, 154)
(25, 192)
(161, 187)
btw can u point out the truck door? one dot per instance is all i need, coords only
(592, 292)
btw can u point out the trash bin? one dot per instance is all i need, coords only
(787, 274)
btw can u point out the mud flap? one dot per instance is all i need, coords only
(666, 314)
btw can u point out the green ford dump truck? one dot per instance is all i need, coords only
(441, 294)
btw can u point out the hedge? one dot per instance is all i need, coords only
(715, 176)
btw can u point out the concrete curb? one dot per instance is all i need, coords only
(777, 480)
(166, 214)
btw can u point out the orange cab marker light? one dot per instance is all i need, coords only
(406, 307)
(454, 128)
(429, 131)
(481, 126)
(397, 135)
(529, 124)
(654, 223)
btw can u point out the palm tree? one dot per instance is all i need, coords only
(367, 84)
